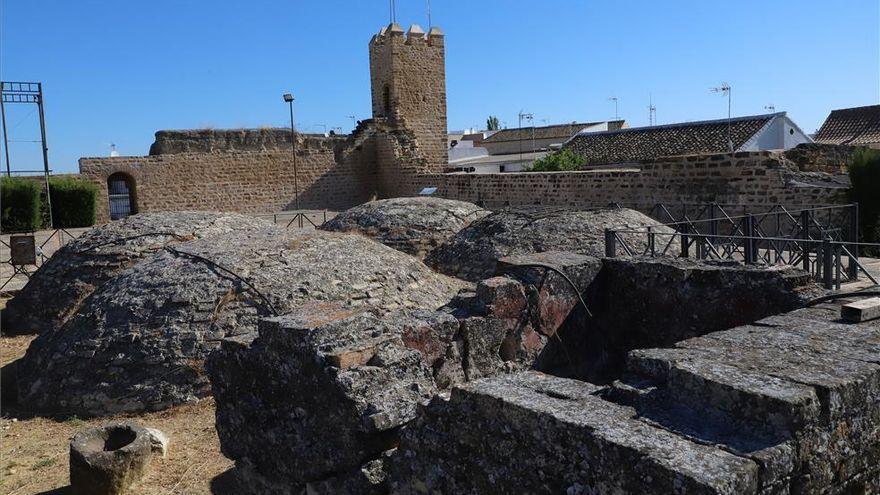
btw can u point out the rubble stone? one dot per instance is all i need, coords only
(57, 290)
(292, 405)
(654, 302)
(473, 253)
(533, 433)
(139, 341)
(789, 404)
(415, 225)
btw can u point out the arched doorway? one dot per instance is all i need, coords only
(121, 189)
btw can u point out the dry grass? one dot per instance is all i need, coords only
(34, 455)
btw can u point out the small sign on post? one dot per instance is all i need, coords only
(23, 250)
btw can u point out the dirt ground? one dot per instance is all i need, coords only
(34, 450)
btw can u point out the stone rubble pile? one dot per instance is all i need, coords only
(416, 225)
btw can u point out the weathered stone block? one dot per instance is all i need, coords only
(532, 433)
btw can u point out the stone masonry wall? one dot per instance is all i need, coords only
(750, 178)
(246, 182)
(408, 76)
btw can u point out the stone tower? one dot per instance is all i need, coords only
(408, 78)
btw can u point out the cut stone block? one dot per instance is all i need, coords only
(863, 310)
(533, 433)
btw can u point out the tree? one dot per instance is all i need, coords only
(864, 175)
(558, 161)
(492, 123)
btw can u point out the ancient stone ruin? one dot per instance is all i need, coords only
(415, 226)
(473, 252)
(341, 365)
(84, 264)
(347, 413)
(137, 341)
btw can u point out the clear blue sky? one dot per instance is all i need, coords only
(116, 71)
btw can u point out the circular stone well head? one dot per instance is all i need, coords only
(108, 459)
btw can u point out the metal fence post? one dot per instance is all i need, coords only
(827, 264)
(713, 223)
(751, 246)
(610, 243)
(651, 248)
(853, 268)
(685, 251)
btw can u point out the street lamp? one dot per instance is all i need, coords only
(614, 99)
(289, 99)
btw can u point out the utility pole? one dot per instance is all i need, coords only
(725, 90)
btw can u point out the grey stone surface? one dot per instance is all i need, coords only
(337, 385)
(473, 253)
(109, 459)
(798, 392)
(655, 302)
(139, 341)
(318, 393)
(533, 433)
(415, 225)
(59, 287)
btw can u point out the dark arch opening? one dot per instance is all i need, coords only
(386, 101)
(123, 195)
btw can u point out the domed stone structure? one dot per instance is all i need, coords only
(138, 342)
(415, 225)
(56, 291)
(473, 253)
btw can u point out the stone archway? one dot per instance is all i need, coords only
(122, 195)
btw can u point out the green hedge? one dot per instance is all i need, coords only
(20, 199)
(74, 202)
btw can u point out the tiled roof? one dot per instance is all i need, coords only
(641, 143)
(854, 126)
(561, 131)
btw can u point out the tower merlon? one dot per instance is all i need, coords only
(415, 34)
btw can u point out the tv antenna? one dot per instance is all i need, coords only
(652, 111)
(614, 99)
(725, 90)
(770, 108)
(392, 11)
(429, 15)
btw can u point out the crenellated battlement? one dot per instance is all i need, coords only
(393, 34)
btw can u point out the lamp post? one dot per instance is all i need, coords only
(289, 99)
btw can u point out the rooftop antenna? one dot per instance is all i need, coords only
(652, 111)
(392, 11)
(528, 117)
(770, 108)
(725, 90)
(614, 99)
(429, 15)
